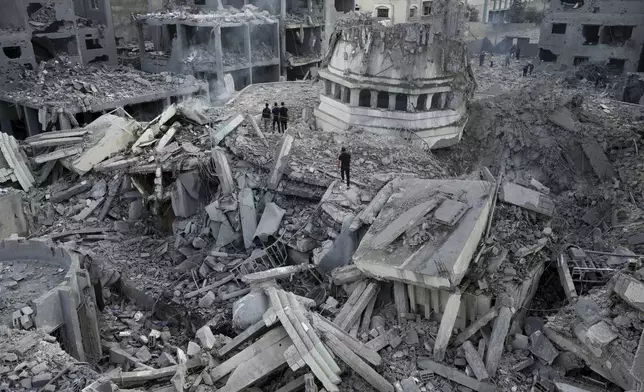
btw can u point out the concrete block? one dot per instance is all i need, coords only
(527, 198)
(227, 128)
(587, 310)
(206, 338)
(193, 349)
(447, 325)
(450, 211)
(183, 204)
(520, 342)
(12, 216)
(600, 334)
(541, 347)
(248, 216)
(192, 182)
(497, 340)
(631, 290)
(598, 160)
(270, 222)
(165, 359)
(563, 117)
(40, 380)
(282, 159)
(222, 168)
(207, 300)
(143, 354)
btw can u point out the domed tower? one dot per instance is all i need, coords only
(410, 79)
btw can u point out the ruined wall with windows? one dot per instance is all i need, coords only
(603, 31)
(409, 78)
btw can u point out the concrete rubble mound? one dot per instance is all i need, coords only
(177, 246)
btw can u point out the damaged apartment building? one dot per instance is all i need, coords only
(609, 32)
(252, 42)
(405, 79)
(47, 76)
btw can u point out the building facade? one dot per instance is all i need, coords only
(408, 79)
(43, 29)
(603, 31)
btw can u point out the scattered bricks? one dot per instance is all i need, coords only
(193, 349)
(205, 336)
(143, 354)
(40, 380)
(207, 300)
(542, 348)
(41, 367)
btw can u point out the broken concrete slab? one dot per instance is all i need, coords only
(168, 136)
(455, 375)
(527, 198)
(541, 347)
(587, 310)
(450, 211)
(108, 135)
(600, 334)
(221, 133)
(191, 180)
(270, 222)
(248, 216)
(404, 222)
(282, 159)
(222, 168)
(183, 204)
(598, 160)
(630, 289)
(497, 340)
(564, 118)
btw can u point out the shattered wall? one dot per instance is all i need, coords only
(122, 11)
(412, 78)
(609, 32)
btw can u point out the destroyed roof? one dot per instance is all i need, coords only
(229, 15)
(427, 232)
(72, 87)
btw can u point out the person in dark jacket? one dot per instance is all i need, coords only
(266, 117)
(276, 117)
(283, 117)
(481, 58)
(344, 163)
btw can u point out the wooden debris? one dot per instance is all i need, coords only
(357, 364)
(276, 273)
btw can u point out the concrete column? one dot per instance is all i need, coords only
(283, 36)
(72, 325)
(374, 99)
(88, 316)
(354, 98)
(392, 101)
(247, 45)
(443, 101)
(141, 37)
(219, 56)
(412, 102)
(63, 122)
(344, 94)
(31, 119)
(484, 16)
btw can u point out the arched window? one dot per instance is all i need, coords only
(436, 101)
(421, 103)
(413, 12)
(401, 102)
(338, 91)
(383, 99)
(365, 98)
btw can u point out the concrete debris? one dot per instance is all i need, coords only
(630, 290)
(270, 222)
(598, 160)
(248, 216)
(541, 347)
(527, 198)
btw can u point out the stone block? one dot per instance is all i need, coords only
(631, 290)
(193, 349)
(541, 347)
(143, 354)
(207, 300)
(600, 334)
(205, 336)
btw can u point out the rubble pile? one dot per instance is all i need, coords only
(32, 360)
(228, 14)
(60, 85)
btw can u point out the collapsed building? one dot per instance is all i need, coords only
(41, 30)
(594, 31)
(257, 43)
(411, 80)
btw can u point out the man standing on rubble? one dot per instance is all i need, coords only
(276, 117)
(283, 117)
(481, 58)
(266, 117)
(344, 162)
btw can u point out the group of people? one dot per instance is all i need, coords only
(279, 114)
